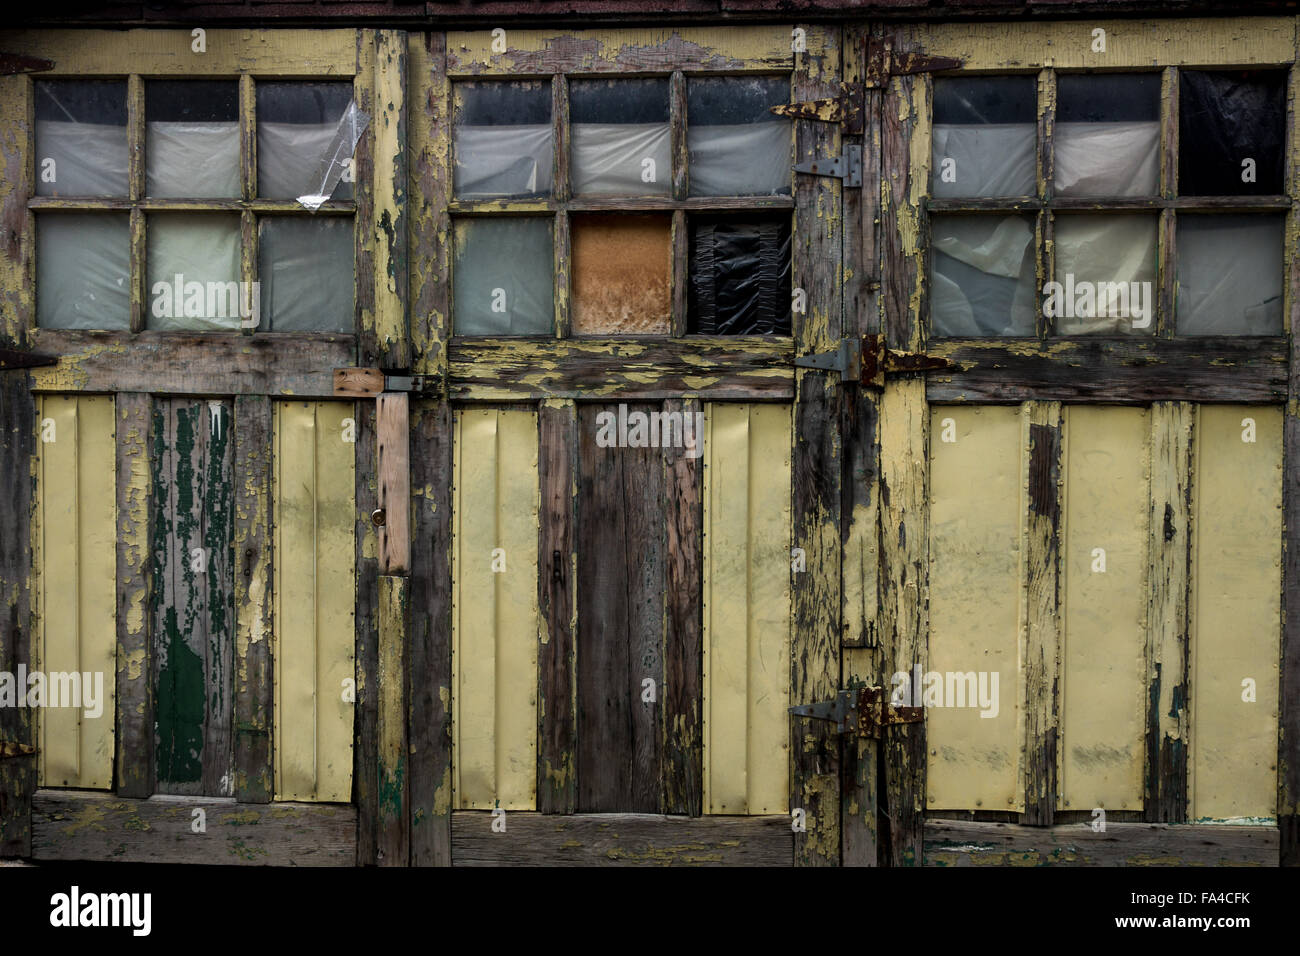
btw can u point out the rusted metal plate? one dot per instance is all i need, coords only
(11, 63)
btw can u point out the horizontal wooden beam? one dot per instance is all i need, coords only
(963, 843)
(284, 206)
(620, 839)
(69, 825)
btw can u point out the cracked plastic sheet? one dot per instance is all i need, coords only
(1230, 275)
(1107, 159)
(503, 277)
(83, 271)
(983, 276)
(81, 138)
(740, 277)
(1107, 249)
(609, 158)
(503, 161)
(333, 159)
(748, 160)
(199, 247)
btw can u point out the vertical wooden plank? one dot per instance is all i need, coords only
(135, 691)
(430, 173)
(677, 121)
(1167, 269)
(621, 616)
(17, 264)
(253, 607)
(366, 280)
(247, 188)
(393, 458)
(561, 191)
(431, 635)
(365, 738)
(392, 329)
(563, 299)
(681, 243)
(1169, 556)
(393, 833)
(682, 691)
(135, 158)
(557, 592)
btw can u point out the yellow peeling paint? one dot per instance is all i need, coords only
(77, 515)
(495, 618)
(747, 618)
(1236, 626)
(1103, 672)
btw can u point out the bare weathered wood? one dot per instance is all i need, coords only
(962, 843)
(620, 839)
(365, 758)
(393, 461)
(358, 382)
(563, 299)
(135, 159)
(392, 829)
(98, 827)
(557, 581)
(392, 342)
(677, 125)
(134, 700)
(429, 224)
(681, 247)
(1288, 746)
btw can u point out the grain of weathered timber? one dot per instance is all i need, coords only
(683, 649)
(429, 225)
(556, 584)
(620, 622)
(490, 207)
(905, 182)
(68, 825)
(358, 382)
(17, 453)
(214, 363)
(393, 461)
(560, 189)
(620, 839)
(365, 284)
(1168, 710)
(253, 607)
(392, 328)
(334, 207)
(677, 123)
(392, 829)
(1169, 87)
(563, 298)
(1041, 607)
(961, 843)
(681, 247)
(430, 659)
(1125, 371)
(1167, 274)
(365, 758)
(135, 157)
(17, 263)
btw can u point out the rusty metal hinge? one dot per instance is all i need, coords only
(883, 61)
(11, 63)
(862, 711)
(847, 166)
(845, 109)
(866, 361)
(11, 358)
(10, 749)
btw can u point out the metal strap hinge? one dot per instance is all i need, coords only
(845, 109)
(861, 711)
(883, 61)
(14, 63)
(11, 358)
(866, 361)
(847, 166)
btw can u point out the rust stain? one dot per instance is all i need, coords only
(621, 274)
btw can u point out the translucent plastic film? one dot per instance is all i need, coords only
(83, 271)
(335, 158)
(628, 159)
(81, 138)
(983, 275)
(306, 272)
(503, 277)
(1106, 265)
(1230, 275)
(503, 161)
(1107, 159)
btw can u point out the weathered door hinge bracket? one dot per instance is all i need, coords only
(11, 358)
(369, 382)
(847, 166)
(883, 61)
(845, 109)
(9, 749)
(866, 361)
(862, 711)
(11, 63)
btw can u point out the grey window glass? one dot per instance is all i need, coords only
(1230, 274)
(305, 267)
(81, 138)
(983, 138)
(619, 137)
(192, 139)
(193, 272)
(1106, 271)
(737, 145)
(1107, 135)
(83, 270)
(982, 276)
(296, 124)
(503, 140)
(503, 277)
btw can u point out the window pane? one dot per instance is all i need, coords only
(296, 125)
(1105, 275)
(621, 267)
(620, 137)
(740, 276)
(1229, 275)
(503, 140)
(306, 274)
(192, 139)
(737, 146)
(1229, 122)
(193, 272)
(982, 273)
(83, 270)
(81, 138)
(1107, 135)
(504, 278)
(985, 130)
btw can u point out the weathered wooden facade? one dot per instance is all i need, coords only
(382, 572)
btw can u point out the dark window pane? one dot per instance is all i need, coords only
(193, 272)
(503, 281)
(192, 139)
(1107, 135)
(1230, 274)
(306, 274)
(620, 138)
(81, 138)
(1229, 123)
(296, 125)
(982, 275)
(737, 145)
(1106, 272)
(984, 136)
(740, 276)
(621, 268)
(83, 271)
(503, 140)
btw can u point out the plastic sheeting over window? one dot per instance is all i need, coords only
(83, 271)
(1106, 265)
(740, 276)
(621, 141)
(305, 267)
(503, 281)
(296, 123)
(81, 138)
(504, 142)
(1231, 133)
(983, 276)
(621, 269)
(192, 139)
(737, 146)
(1230, 274)
(1107, 135)
(984, 137)
(193, 274)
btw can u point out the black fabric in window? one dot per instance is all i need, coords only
(740, 276)
(1226, 119)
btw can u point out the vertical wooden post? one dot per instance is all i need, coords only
(365, 756)
(135, 685)
(392, 341)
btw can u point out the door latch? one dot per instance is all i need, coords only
(861, 711)
(866, 361)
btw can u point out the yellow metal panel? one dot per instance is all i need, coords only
(1236, 628)
(313, 645)
(77, 518)
(747, 534)
(495, 616)
(976, 559)
(1103, 670)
